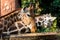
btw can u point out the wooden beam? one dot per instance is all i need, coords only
(35, 34)
(8, 14)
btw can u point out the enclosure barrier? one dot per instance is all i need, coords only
(33, 36)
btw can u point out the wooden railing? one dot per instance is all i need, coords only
(35, 34)
(10, 13)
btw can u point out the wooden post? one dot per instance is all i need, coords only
(6, 6)
(19, 1)
(0, 8)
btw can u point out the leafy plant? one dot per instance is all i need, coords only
(54, 27)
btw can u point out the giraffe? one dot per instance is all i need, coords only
(18, 21)
(44, 21)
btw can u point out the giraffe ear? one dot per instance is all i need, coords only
(22, 10)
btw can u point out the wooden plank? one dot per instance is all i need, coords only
(12, 12)
(35, 34)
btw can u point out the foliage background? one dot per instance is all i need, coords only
(46, 6)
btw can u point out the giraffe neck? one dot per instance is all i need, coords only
(9, 20)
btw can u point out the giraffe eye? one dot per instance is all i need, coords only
(28, 15)
(39, 23)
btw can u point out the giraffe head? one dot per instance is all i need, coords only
(27, 20)
(45, 20)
